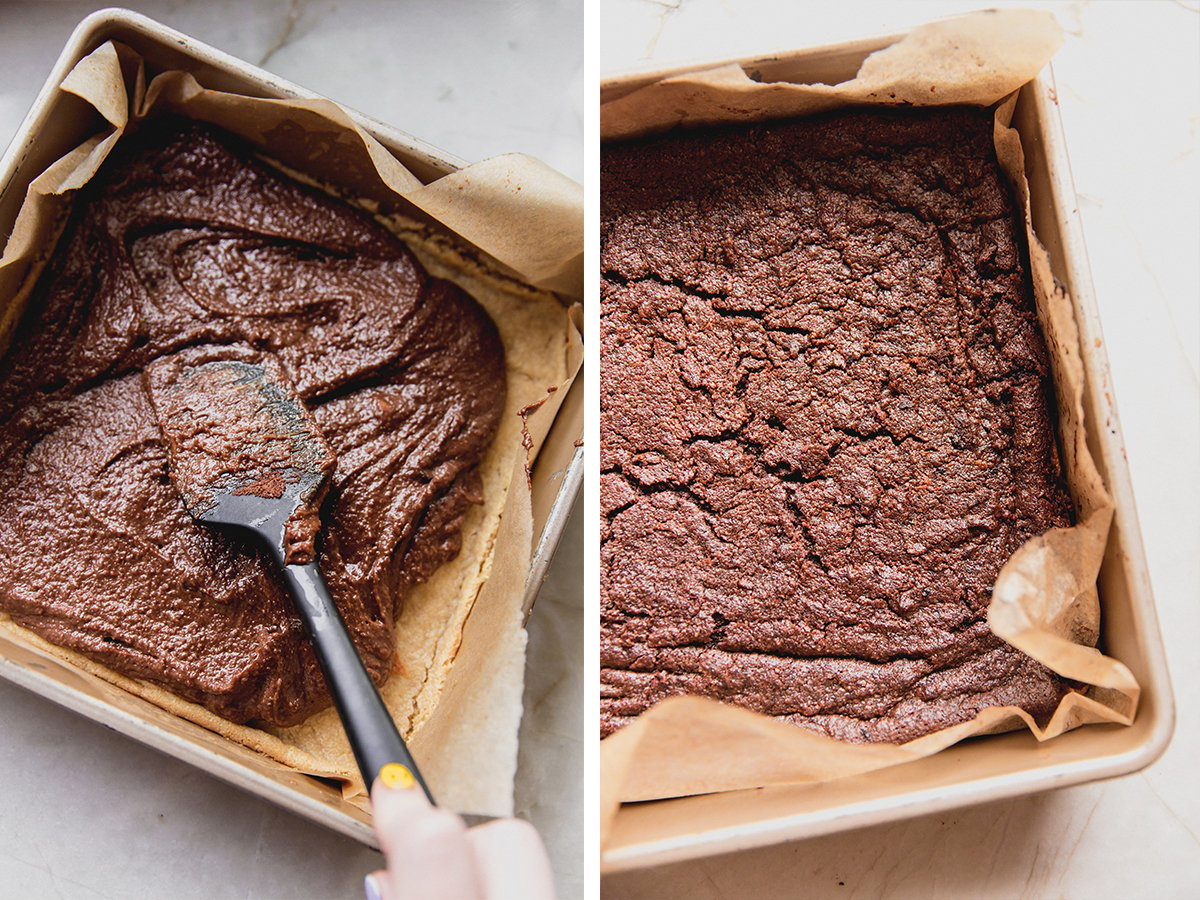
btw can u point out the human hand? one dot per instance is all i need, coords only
(432, 855)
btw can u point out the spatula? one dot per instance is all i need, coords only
(244, 452)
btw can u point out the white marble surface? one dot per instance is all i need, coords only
(88, 813)
(1129, 89)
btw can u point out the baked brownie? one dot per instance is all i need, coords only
(185, 241)
(825, 422)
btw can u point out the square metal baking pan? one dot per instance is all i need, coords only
(56, 123)
(981, 770)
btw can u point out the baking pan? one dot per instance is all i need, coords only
(979, 770)
(58, 122)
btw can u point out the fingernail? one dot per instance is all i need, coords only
(394, 775)
(371, 888)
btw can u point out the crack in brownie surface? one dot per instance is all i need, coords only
(824, 423)
(185, 242)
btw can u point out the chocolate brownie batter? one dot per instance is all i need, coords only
(184, 241)
(824, 423)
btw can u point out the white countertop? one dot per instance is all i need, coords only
(88, 813)
(1129, 90)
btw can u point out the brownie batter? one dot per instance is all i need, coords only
(824, 423)
(184, 241)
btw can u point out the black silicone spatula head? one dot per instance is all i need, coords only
(243, 449)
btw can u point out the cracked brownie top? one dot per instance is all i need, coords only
(825, 422)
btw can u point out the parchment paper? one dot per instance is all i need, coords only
(456, 687)
(1045, 599)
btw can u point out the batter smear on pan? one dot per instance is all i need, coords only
(825, 423)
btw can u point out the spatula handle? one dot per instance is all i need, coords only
(373, 736)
